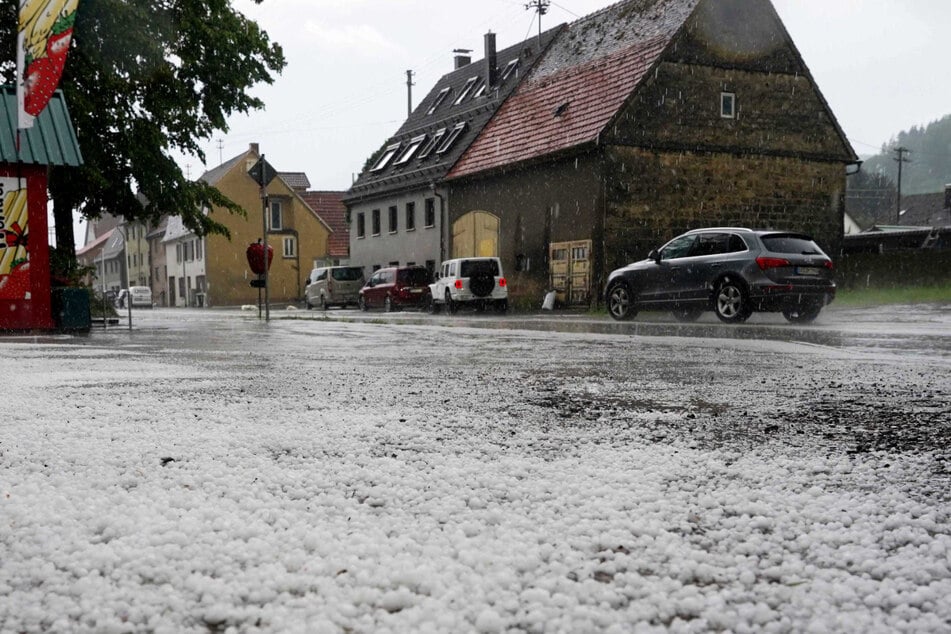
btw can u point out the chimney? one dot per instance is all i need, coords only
(462, 57)
(491, 62)
(254, 148)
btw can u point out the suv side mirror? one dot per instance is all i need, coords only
(654, 255)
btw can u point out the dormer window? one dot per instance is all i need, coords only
(433, 143)
(466, 89)
(451, 139)
(438, 100)
(510, 68)
(480, 91)
(728, 105)
(388, 155)
(410, 150)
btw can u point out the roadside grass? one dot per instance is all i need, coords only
(860, 297)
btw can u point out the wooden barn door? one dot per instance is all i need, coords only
(475, 234)
(570, 271)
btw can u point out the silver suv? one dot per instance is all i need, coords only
(333, 286)
(477, 282)
(731, 271)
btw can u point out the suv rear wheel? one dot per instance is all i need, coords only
(731, 302)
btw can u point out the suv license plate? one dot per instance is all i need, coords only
(808, 270)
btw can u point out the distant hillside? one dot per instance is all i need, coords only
(871, 192)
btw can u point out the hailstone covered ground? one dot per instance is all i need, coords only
(321, 477)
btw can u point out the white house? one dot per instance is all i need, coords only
(185, 259)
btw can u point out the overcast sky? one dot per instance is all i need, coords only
(883, 65)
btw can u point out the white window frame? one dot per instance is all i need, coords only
(433, 143)
(275, 205)
(410, 150)
(438, 100)
(727, 105)
(451, 138)
(290, 247)
(388, 155)
(466, 89)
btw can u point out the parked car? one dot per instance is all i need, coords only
(141, 297)
(730, 271)
(396, 287)
(333, 286)
(477, 282)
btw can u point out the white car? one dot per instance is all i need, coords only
(477, 282)
(141, 297)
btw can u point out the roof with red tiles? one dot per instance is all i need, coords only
(584, 79)
(330, 208)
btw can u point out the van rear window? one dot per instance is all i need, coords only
(413, 277)
(347, 274)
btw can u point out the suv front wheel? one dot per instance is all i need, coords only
(621, 302)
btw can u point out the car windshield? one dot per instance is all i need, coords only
(474, 267)
(791, 244)
(347, 274)
(413, 277)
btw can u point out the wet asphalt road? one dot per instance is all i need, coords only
(855, 382)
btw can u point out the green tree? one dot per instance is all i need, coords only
(144, 79)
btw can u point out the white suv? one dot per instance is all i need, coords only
(473, 281)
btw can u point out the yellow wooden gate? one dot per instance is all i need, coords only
(570, 271)
(475, 234)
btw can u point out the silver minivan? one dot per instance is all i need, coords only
(333, 286)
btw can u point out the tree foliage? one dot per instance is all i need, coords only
(144, 79)
(929, 156)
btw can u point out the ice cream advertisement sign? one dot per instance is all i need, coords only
(14, 259)
(45, 32)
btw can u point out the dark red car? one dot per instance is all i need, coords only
(396, 287)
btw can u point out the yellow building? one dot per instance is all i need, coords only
(297, 234)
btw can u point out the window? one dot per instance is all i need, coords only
(178, 252)
(410, 150)
(456, 131)
(466, 89)
(480, 91)
(510, 68)
(277, 216)
(394, 220)
(411, 216)
(290, 247)
(433, 142)
(727, 105)
(429, 213)
(376, 222)
(361, 225)
(678, 248)
(388, 155)
(438, 100)
(198, 249)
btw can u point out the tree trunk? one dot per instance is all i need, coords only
(65, 240)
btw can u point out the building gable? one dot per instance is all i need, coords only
(588, 73)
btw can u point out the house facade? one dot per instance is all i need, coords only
(397, 207)
(185, 265)
(297, 235)
(642, 121)
(158, 263)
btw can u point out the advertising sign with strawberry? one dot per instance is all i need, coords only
(45, 33)
(14, 258)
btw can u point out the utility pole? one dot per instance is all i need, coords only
(409, 92)
(540, 7)
(221, 145)
(901, 151)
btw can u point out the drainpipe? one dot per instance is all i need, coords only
(442, 222)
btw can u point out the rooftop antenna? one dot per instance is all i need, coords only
(540, 7)
(221, 145)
